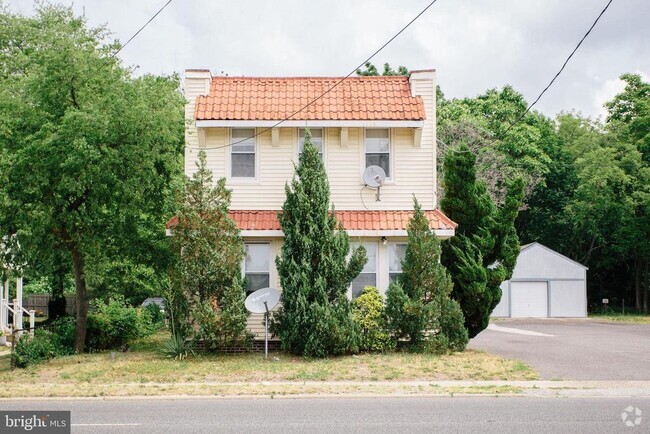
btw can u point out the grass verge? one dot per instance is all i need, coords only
(143, 371)
(618, 317)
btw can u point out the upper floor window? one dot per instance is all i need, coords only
(256, 266)
(242, 153)
(377, 144)
(316, 140)
(368, 276)
(396, 254)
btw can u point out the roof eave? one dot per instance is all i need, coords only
(230, 123)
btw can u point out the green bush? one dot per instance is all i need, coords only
(408, 319)
(34, 350)
(368, 314)
(113, 325)
(63, 335)
(332, 331)
(177, 347)
(452, 326)
(153, 319)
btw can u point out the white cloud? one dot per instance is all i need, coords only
(609, 89)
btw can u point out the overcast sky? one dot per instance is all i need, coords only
(473, 44)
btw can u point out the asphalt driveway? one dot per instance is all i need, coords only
(572, 349)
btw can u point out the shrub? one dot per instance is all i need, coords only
(153, 319)
(63, 335)
(452, 326)
(418, 306)
(331, 330)
(218, 328)
(33, 350)
(177, 347)
(112, 325)
(368, 314)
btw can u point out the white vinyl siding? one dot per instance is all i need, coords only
(368, 276)
(242, 153)
(396, 253)
(257, 269)
(377, 148)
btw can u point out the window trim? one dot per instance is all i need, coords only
(391, 151)
(377, 255)
(270, 258)
(388, 250)
(297, 142)
(242, 179)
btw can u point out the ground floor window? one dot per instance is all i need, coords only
(256, 266)
(396, 254)
(368, 276)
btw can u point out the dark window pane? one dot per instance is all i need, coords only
(255, 281)
(363, 280)
(243, 166)
(381, 160)
(393, 277)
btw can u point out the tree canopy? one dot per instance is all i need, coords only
(89, 153)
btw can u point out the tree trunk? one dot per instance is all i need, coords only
(82, 299)
(56, 307)
(638, 264)
(645, 291)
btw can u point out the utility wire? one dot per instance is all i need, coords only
(519, 119)
(141, 28)
(329, 89)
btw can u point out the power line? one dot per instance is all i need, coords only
(332, 87)
(556, 75)
(141, 29)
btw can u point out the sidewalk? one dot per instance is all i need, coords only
(312, 389)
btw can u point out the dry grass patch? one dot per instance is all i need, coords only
(631, 318)
(143, 370)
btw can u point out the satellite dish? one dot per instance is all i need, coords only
(374, 176)
(262, 300)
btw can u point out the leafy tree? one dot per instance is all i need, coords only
(209, 252)
(629, 122)
(315, 318)
(484, 251)
(418, 304)
(371, 70)
(88, 151)
(483, 124)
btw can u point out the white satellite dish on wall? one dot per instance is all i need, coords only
(374, 176)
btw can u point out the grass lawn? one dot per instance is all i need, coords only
(143, 371)
(637, 318)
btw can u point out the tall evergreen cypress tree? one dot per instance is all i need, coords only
(418, 305)
(484, 251)
(315, 318)
(206, 276)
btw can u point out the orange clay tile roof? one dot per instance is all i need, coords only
(256, 220)
(276, 98)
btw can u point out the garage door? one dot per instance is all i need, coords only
(528, 299)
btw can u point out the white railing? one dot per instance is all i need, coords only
(16, 308)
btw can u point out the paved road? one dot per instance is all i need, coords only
(356, 415)
(575, 349)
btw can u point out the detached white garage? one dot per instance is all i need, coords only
(544, 284)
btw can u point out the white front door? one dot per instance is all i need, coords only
(528, 299)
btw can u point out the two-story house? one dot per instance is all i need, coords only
(384, 121)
